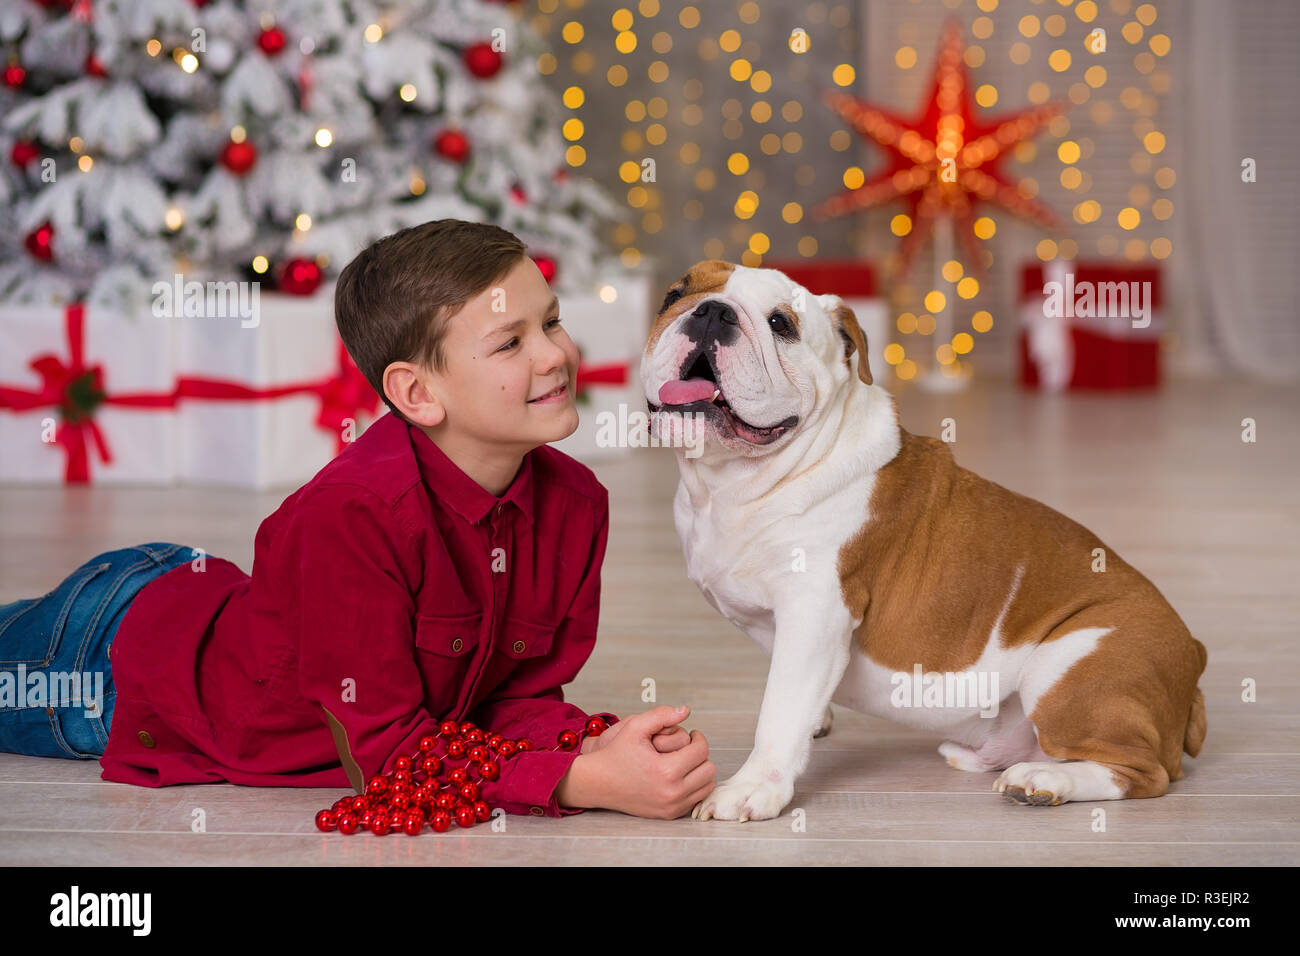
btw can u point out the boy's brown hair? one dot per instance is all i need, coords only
(393, 301)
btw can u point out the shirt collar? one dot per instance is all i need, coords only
(462, 493)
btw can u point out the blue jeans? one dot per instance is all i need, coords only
(56, 681)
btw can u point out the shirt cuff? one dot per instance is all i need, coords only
(529, 779)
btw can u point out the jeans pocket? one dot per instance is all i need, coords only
(32, 634)
(38, 732)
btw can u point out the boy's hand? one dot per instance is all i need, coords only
(629, 773)
(666, 741)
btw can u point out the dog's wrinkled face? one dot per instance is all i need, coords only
(751, 350)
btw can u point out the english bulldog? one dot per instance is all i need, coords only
(879, 574)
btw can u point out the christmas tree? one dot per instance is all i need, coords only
(270, 140)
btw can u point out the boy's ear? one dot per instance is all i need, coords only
(405, 388)
(846, 324)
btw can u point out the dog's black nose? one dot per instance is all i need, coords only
(712, 322)
(713, 308)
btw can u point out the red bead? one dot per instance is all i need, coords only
(427, 743)
(360, 804)
(422, 797)
(508, 748)
(456, 749)
(341, 804)
(449, 728)
(467, 725)
(567, 740)
(417, 813)
(402, 776)
(481, 810)
(367, 817)
(395, 819)
(523, 743)
(441, 822)
(596, 726)
(489, 770)
(494, 741)
(465, 816)
(412, 826)
(377, 785)
(380, 826)
(469, 792)
(472, 736)
(431, 765)
(348, 823)
(327, 820)
(478, 754)
(445, 800)
(402, 763)
(457, 776)
(402, 801)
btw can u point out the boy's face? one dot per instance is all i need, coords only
(503, 350)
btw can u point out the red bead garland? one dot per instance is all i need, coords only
(399, 801)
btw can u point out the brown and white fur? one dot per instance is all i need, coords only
(851, 550)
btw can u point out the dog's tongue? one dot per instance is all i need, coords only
(691, 390)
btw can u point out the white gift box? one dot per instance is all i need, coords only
(289, 344)
(133, 354)
(610, 324)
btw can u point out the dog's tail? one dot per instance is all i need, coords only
(1194, 735)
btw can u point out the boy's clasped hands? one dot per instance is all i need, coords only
(644, 765)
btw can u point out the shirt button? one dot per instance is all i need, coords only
(145, 738)
(109, 651)
(537, 811)
(457, 644)
(49, 711)
(519, 647)
(500, 508)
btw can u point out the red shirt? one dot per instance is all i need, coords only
(391, 591)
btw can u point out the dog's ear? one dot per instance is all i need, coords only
(846, 324)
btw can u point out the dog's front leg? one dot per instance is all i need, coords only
(810, 651)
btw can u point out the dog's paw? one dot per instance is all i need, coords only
(742, 799)
(1035, 784)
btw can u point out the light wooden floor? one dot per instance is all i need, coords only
(1163, 479)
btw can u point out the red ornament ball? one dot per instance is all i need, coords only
(441, 821)
(271, 41)
(93, 67)
(40, 242)
(431, 765)
(567, 740)
(545, 265)
(509, 747)
(23, 153)
(489, 770)
(449, 728)
(412, 825)
(481, 810)
(348, 823)
(239, 157)
(483, 61)
(380, 826)
(458, 776)
(427, 743)
(465, 816)
(456, 749)
(14, 75)
(326, 820)
(453, 145)
(596, 726)
(303, 277)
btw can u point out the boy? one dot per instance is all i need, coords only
(445, 566)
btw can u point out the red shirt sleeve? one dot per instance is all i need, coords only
(348, 571)
(519, 707)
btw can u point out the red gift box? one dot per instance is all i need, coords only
(1097, 327)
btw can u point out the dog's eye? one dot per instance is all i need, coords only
(672, 296)
(781, 324)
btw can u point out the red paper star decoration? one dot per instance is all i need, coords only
(945, 162)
